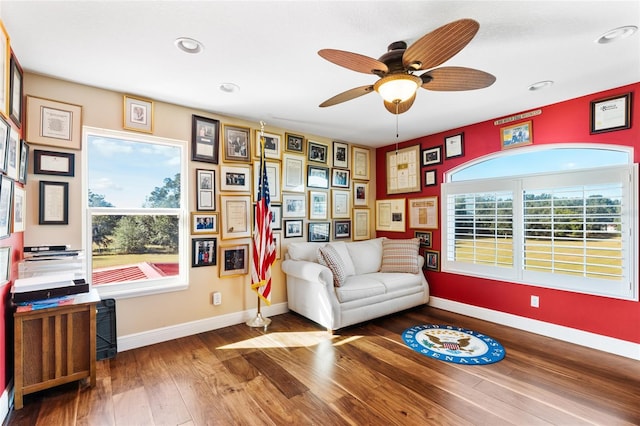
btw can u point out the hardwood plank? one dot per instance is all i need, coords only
(95, 405)
(285, 382)
(132, 408)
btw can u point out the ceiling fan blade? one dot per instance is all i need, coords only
(440, 44)
(354, 61)
(347, 96)
(451, 79)
(402, 106)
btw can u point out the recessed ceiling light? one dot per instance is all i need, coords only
(229, 88)
(189, 45)
(540, 85)
(616, 34)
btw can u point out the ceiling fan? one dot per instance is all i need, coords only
(398, 83)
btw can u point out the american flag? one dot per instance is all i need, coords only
(264, 249)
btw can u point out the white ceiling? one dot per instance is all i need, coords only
(269, 49)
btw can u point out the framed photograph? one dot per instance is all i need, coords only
(341, 229)
(53, 163)
(317, 152)
(5, 263)
(294, 143)
(293, 167)
(4, 68)
(205, 139)
(454, 146)
(5, 130)
(340, 178)
(15, 99)
(23, 164)
(205, 189)
(423, 213)
(516, 135)
(273, 177)
(403, 170)
(292, 228)
(6, 197)
(360, 194)
(13, 154)
(432, 260)
(340, 204)
(236, 216)
(19, 208)
(203, 252)
(340, 155)
(317, 177)
(360, 166)
(277, 240)
(272, 145)
(430, 177)
(236, 143)
(361, 224)
(294, 205)
(235, 178)
(318, 232)
(431, 156)
(424, 237)
(612, 113)
(54, 203)
(234, 260)
(53, 123)
(276, 216)
(138, 114)
(204, 223)
(390, 215)
(318, 205)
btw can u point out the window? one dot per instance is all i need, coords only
(135, 213)
(552, 218)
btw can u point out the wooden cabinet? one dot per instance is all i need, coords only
(55, 345)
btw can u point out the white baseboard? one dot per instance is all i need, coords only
(138, 340)
(572, 335)
(6, 400)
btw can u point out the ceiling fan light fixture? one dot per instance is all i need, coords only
(189, 45)
(396, 88)
(616, 34)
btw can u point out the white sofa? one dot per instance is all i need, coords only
(365, 293)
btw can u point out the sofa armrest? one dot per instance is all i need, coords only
(308, 271)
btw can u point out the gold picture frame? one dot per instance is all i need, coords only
(403, 170)
(53, 123)
(234, 260)
(519, 134)
(5, 57)
(360, 158)
(204, 223)
(423, 213)
(137, 114)
(236, 216)
(391, 215)
(361, 224)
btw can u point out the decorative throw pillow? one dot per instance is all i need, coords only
(329, 257)
(400, 255)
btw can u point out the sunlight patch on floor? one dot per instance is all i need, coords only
(286, 340)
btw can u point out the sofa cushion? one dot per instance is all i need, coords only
(330, 257)
(395, 281)
(358, 287)
(400, 255)
(366, 255)
(341, 248)
(304, 251)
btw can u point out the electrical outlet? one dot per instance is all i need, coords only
(535, 301)
(217, 298)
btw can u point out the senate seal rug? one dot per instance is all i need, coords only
(453, 344)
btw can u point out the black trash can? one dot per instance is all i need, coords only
(106, 339)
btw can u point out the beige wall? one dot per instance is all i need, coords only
(103, 109)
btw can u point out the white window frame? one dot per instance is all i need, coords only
(150, 286)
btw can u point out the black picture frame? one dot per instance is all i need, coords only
(53, 163)
(5, 130)
(15, 91)
(430, 177)
(340, 155)
(431, 260)
(319, 232)
(293, 228)
(431, 156)
(425, 238)
(24, 162)
(317, 152)
(54, 203)
(454, 146)
(204, 252)
(610, 114)
(294, 143)
(340, 178)
(6, 205)
(205, 139)
(205, 190)
(317, 177)
(341, 229)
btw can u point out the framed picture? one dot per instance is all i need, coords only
(13, 154)
(5, 130)
(340, 204)
(612, 113)
(431, 156)
(236, 143)
(516, 135)
(361, 224)
(423, 213)
(235, 178)
(54, 203)
(23, 164)
(138, 114)
(294, 143)
(318, 232)
(424, 237)
(53, 123)
(272, 145)
(293, 167)
(19, 208)
(340, 155)
(340, 178)
(294, 205)
(360, 164)
(360, 194)
(204, 223)
(5, 263)
(318, 205)
(15, 99)
(454, 146)
(53, 163)
(205, 189)
(276, 216)
(390, 215)
(432, 260)
(234, 260)
(341, 229)
(292, 228)
(273, 177)
(430, 177)
(317, 177)
(277, 240)
(317, 152)
(6, 197)
(236, 216)
(205, 139)
(4, 67)
(403, 170)
(203, 252)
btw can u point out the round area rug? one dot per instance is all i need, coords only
(453, 344)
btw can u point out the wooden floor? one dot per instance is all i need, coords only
(298, 374)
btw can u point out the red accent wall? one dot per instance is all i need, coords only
(564, 122)
(16, 242)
